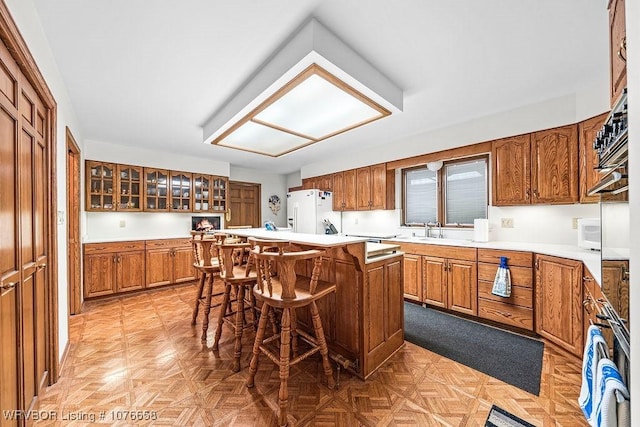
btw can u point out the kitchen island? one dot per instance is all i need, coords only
(364, 319)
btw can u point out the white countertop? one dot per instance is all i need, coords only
(590, 258)
(325, 240)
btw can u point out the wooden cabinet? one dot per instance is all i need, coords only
(169, 261)
(537, 168)
(383, 311)
(554, 165)
(181, 191)
(558, 315)
(344, 190)
(130, 187)
(113, 267)
(220, 194)
(372, 184)
(101, 186)
(443, 276)
(201, 192)
(412, 267)
(516, 310)
(592, 293)
(323, 182)
(618, 48)
(588, 174)
(511, 160)
(156, 190)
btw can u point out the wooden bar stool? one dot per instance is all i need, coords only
(207, 265)
(287, 291)
(239, 278)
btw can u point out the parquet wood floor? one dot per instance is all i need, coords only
(140, 353)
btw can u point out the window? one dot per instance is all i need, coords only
(454, 195)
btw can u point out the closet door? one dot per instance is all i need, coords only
(9, 235)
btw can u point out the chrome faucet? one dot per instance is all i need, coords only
(440, 236)
(427, 229)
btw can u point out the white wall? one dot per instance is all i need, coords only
(271, 184)
(633, 69)
(294, 180)
(551, 113)
(28, 22)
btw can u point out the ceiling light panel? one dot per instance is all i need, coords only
(261, 139)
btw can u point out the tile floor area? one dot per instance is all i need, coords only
(140, 353)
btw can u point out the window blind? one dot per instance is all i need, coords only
(421, 196)
(465, 191)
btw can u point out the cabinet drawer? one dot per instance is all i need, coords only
(520, 276)
(109, 247)
(514, 258)
(441, 251)
(519, 295)
(505, 313)
(168, 243)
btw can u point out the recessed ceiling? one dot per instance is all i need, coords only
(150, 74)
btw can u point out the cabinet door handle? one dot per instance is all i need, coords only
(623, 48)
(587, 279)
(115, 259)
(9, 285)
(536, 194)
(527, 194)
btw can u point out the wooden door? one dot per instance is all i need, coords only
(159, 267)
(183, 270)
(379, 186)
(349, 189)
(511, 159)
(559, 302)
(338, 191)
(375, 308)
(363, 188)
(412, 277)
(99, 274)
(589, 175)
(554, 160)
(434, 281)
(10, 266)
(244, 201)
(129, 271)
(220, 194)
(462, 292)
(73, 225)
(201, 193)
(618, 49)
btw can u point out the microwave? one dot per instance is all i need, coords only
(589, 235)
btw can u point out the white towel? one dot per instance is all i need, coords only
(611, 396)
(590, 361)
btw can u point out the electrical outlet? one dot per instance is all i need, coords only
(60, 217)
(506, 222)
(574, 223)
(355, 221)
(123, 224)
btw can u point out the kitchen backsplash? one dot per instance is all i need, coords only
(535, 224)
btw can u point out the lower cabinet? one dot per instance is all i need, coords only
(115, 267)
(169, 261)
(451, 284)
(412, 265)
(383, 311)
(516, 310)
(558, 316)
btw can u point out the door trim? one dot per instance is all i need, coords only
(73, 223)
(11, 37)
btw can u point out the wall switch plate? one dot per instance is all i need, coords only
(574, 223)
(60, 217)
(506, 222)
(122, 223)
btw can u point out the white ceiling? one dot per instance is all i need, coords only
(150, 73)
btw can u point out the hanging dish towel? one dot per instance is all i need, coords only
(502, 282)
(611, 397)
(590, 360)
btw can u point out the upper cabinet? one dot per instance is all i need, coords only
(618, 48)
(344, 190)
(589, 175)
(324, 183)
(126, 188)
(101, 186)
(181, 191)
(554, 165)
(156, 189)
(373, 187)
(537, 168)
(129, 188)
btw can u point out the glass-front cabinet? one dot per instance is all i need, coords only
(180, 191)
(156, 189)
(100, 186)
(201, 192)
(220, 192)
(129, 188)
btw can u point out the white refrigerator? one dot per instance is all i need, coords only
(307, 208)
